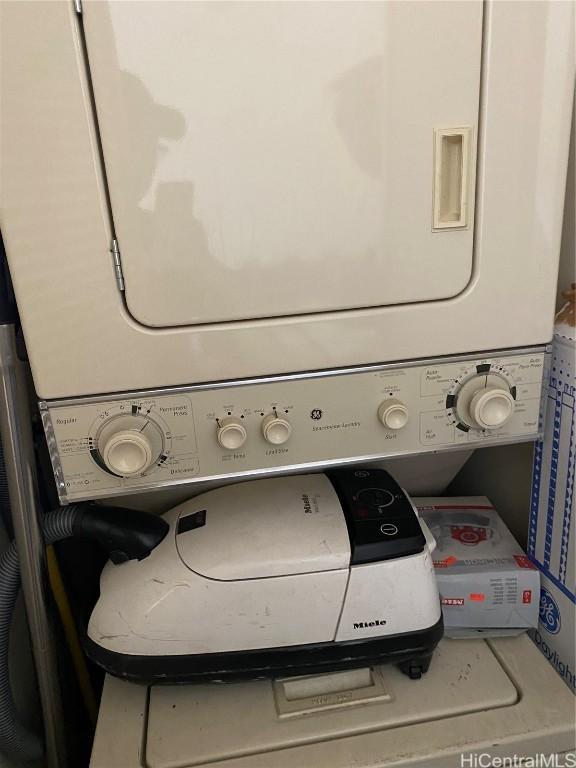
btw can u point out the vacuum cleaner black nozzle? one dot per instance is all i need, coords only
(126, 534)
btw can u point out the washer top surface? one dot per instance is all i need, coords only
(462, 678)
(501, 695)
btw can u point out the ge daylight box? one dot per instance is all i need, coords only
(551, 542)
(487, 585)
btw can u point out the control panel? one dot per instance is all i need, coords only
(128, 443)
(381, 520)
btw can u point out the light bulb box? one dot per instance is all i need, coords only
(551, 542)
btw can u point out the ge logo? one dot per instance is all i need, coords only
(316, 414)
(549, 612)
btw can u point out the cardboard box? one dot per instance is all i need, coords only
(551, 539)
(487, 585)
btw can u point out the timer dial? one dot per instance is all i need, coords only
(485, 402)
(491, 407)
(276, 430)
(393, 414)
(128, 445)
(127, 453)
(231, 434)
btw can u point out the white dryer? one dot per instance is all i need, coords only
(252, 237)
(284, 187)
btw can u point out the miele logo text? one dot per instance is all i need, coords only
(307, 507)
(366, 624)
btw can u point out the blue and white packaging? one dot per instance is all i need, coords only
(552, 538)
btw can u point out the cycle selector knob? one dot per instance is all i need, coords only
(231, 434)
(127, 453)
(491, 407)
(276, 429)
(485, 402)
(393, 414)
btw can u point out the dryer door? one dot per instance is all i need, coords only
(278, 159)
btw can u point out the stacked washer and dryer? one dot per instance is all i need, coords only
(250, 239)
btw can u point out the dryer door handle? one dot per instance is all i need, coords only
(451, 177)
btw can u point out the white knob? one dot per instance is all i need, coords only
(127, 453)
(491, 407)
(393, 414)
(231, 434)
(276, 430)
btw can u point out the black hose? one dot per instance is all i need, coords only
(16, 742)
(126, 534)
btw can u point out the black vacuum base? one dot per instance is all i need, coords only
(412, 651)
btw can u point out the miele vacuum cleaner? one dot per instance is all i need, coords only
(281, 576)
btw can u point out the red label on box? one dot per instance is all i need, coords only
(524, 562)
(527, 596)
(468, 534)
(446, 562)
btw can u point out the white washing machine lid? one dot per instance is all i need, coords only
(275, 159)
(463, 678)
(270, 527)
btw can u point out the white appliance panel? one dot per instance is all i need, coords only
(406, 598)
(273, 159)
(333, 418)
(80, 334)
(310, 533)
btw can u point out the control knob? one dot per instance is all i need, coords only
(393, 414)
(485, 402)
(127, 445)
(127, 453)
(231, 434)
(276, 429)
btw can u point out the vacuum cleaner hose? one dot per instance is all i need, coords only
(16, 742)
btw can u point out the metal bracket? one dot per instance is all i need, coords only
(115, 251)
